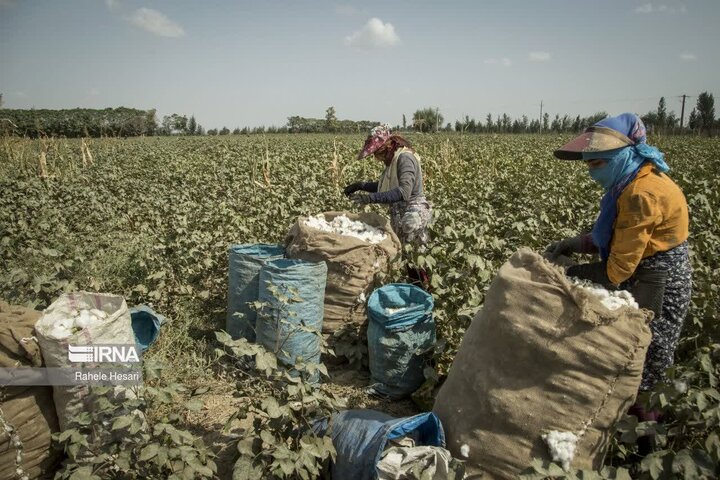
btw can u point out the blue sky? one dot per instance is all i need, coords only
(249, 63)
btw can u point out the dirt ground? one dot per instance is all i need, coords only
(220, 404)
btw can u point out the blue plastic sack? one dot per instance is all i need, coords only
(360, 436)
(398, 341)
(291, 328)
(244, 264)
(146, 325)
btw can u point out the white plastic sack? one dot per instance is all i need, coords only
(81, 318)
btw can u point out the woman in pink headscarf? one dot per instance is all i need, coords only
(400, 187)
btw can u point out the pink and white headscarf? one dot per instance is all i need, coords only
(377, 138)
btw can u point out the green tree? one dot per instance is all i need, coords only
(192, 126)
(706, 111)
(236, 131)
(330, 119)
(404, 122)
(224, 131)
(427, 119)
(694, 120)
(546, 122)
(661, 113)
(199, 130)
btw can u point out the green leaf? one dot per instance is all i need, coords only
(194, 404)
(149, 451)
(83, 473)
(271, 407)
(122, 422)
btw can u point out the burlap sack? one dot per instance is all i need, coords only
(352, 264)
(28, 411)
(541, 355)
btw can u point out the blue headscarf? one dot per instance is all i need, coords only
(621, 169)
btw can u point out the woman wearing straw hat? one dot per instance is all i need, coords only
(400, 187)
(641, 233)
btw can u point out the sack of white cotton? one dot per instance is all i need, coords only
(544, 370)
(77, 319)
(355, 247)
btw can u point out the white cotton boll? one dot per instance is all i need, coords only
(562, 446)
(393, 311)
(342, 225)
(85, 319)
(465, 450)
(611, 299)
(60, 332)
(680, 386)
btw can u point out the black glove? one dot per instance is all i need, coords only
(564, 247)
(352, 188)
(595, 272)
(361, 198)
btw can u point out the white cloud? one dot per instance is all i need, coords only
(650, 8)
(540, 56)
(374, 34)
(688, 57)
(156, 23)
(505, 62)
(346, 10)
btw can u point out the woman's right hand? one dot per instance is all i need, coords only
(352, 188)
(564, 247)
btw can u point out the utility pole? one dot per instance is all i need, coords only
(541, 105)
(682, 112)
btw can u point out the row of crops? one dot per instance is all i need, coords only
(151, 219)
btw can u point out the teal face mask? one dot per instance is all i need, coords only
(618, 167)
(603, 175)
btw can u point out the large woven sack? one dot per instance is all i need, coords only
(352, 264)
(28, 411)
(116, 329)
(542, 354)
(401, 331)
(244, 264)
(291, 328)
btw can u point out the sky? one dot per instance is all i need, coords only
(251, 63)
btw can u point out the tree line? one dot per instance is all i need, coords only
(128, 122)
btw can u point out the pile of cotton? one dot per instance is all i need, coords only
(562, 446)
(342, 225)
(77, 320)
(393, 311)
(612, 299)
